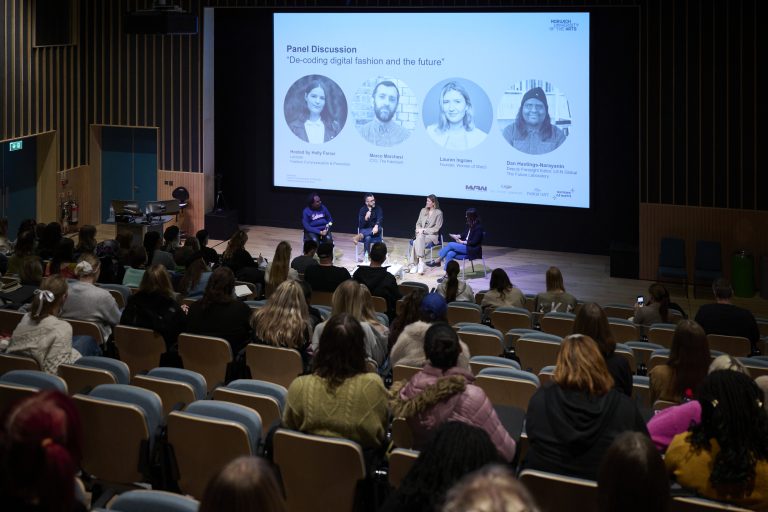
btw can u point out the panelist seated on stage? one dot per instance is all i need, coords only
(370, 222)
(469, 245)
(316, 220)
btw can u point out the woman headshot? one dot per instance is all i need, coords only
(428, 227)
(311, 112)
(455, 128)
(532, 130)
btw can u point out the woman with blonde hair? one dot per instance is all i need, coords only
(244, 485)
(428, 227)
(369, 314)
(89, 302)
(42, 336)
(572, 423)
(555, 298)
(348, 298)
(492, 488)
(284, 320)
(279, 269)
(154, 307)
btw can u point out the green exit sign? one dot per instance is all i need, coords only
(15, 145)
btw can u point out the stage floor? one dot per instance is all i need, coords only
(586, 276)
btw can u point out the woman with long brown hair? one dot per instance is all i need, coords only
(241, 262)
(555, 298)
(279, 269)
(453, 289)
(686, 368)
(572, 423)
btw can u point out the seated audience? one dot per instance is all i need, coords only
(555, 298)
(656, 309)
(325, 276)
(155, 254)
(409, 313)
(725, 457)
(369, 314)
(348, 298)
(442, 392)
(502, 293)
(40, 450)
(218, 313)
(409, 348)
(196, 276)
(284, 320)
(307, 259)
(23, 252)
(88, 302)
(112, 270)
(63, 261)
(31, 272)
(171, 239)
(572, 422)
(183, 255)
(245, 484)
(124, 241)
(42, 336)
(154, 307)
(667, 423)
(340, 398)
(315, 317)
(453, 289)
(5, 244)
(210, 254)
(591, 321)
(86, 240)
(49, 236)
(727, 319)
(279, 269)
(378, 279)
(680, 377)
(241, 262)
(455, 450)
(632, 477)
(492, 488)
(134, 271)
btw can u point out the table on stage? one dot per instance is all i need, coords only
(140, 227)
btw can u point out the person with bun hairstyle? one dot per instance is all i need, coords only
(40, 450)
(244, 485)
(42, 336)
(88, 302)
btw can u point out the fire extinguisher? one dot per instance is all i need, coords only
(74, 211)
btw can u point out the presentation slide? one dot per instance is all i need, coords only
(479, 106)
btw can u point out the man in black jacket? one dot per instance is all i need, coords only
(378, 279)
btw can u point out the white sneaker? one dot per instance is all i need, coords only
(420, 267)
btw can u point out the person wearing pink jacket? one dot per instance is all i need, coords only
(443, 392)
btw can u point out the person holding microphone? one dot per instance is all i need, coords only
(370, 221)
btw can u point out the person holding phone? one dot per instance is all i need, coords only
(657, 308)
(468, 245)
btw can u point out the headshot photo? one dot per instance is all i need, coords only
(385, 111)
(534, 117)
(457, 114)
(315, 109)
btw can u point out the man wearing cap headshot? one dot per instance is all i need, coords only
(532, 131)
(325, 276)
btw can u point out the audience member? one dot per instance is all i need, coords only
(555, 298)
(369, 314)
(572, 423)
(456, 449)
(502, 293)
(88, 302)
(124, 241)
(680, 377)
(196, 276)
(307, 259)
(453, 289)
(210, 254)
(315, 316)
(241, 262)
(154, 307)
(442, 392)
(24, 251)
(656, 310)
(31, 271)
(284, 320)
(219, 314)
(669, 422)
(137, 261)
(409, 313)
(725, 457)
(340, 398)
(632, 477)
(725, 318)
(325, 276)
(348, 298)
(41, 440)
(155, 254)
(86, 240)
(591, 321)
(378, 279)
(183, 255)
(246, 484)
(5, 244)
(42, 336)
(492, 488)
(49, 237)
(63, 261)
(171, 239)
(279, 269)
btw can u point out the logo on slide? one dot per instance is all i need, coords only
(479, 188)
(563, 25)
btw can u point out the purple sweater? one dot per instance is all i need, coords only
(671, 421)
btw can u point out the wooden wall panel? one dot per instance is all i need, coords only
(734, 229)
(194, 215)
(80, 184)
